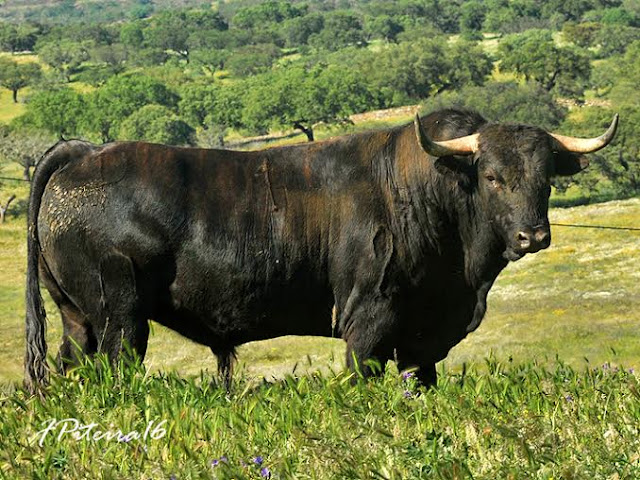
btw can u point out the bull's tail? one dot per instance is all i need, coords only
(35, 365)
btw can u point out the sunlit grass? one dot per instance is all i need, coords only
(507, 421)
(8, 109)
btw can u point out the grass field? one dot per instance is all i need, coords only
(507, 422)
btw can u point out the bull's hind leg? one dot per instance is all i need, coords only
(123, 327)
(225, 365)
(78, 338)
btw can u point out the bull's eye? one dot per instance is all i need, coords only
(493, 181)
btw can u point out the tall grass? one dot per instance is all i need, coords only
(509, 421)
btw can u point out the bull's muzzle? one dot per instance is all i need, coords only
(531, 240)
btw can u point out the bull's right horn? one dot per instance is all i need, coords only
(588, 145)
(456, 146)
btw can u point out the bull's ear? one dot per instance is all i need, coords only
(568, 163)
(460, 168)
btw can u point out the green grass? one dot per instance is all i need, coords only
(8, 109)
(509, 421)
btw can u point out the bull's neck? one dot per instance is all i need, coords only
(435, 218)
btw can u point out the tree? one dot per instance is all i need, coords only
(619, 77)
(178, 31)
(252, 59)
(58, 111)
(535, 56)
(506, 102)
(269, 11)
(298, 30)
(155, 123)
(615, 169)
(15, 76)
(299, 97)
(415, 70)
(169, 31)
(383, 26)
(341, 29)
(131, 35)
(113, 56)
(614, 39)
(64, 56)
(582, 34)
(472, 18)
(24, 147)
(120, 97)
(18, 38)
(209, 60)
(329, 95)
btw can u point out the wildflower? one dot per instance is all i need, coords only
(215, 462)
(568, 397)
(224, 459)
(407, 375)
(173, 477)
(631, 371)
(407, 394)
(258, 460)
(265, 472)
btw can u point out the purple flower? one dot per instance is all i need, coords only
(265, 472)
(407, 375)
(258, 460)
(631, 371)
(407, 394)
(215, 462)
(173, 477)
(568, 397)
(224, 459)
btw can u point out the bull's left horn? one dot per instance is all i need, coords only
(588, 145)
(456, 146)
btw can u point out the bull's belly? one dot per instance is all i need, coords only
(215, 302)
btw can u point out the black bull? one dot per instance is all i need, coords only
(402, 230)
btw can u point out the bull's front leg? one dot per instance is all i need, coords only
(370, 335)
(411, 354)
(425, 370)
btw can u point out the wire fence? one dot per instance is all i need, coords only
(14, 179)
(601, 227)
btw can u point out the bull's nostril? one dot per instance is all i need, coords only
(524, 239)
(542, 236)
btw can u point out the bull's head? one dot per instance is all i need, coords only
(511, 172)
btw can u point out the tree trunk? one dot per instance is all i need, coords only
(15, 96)
(4, 208)
(308, 131)
(26, 174)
